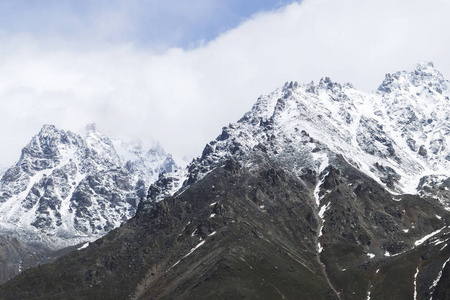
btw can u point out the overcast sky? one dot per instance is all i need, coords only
(177, 71)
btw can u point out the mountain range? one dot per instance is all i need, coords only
(67, 189)
(318, 192)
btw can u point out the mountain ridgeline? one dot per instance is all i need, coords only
(67, 189)
(318, 192)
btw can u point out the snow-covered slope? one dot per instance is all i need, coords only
(66, 189)
(397, 135)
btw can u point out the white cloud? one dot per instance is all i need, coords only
(183, 97)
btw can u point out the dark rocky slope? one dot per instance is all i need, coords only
(255, 234)
(16, 256)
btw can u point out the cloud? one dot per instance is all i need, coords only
(150, 23)
(182, 97)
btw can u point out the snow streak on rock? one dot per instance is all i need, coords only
(415, 283)
(422, 240)
(435, 282)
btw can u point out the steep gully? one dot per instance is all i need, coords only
(320, 223)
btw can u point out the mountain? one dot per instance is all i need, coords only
(398, 135)
(318, 192)
(67, 189)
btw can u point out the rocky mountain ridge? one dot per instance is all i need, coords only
(67, 189)
(73, 188)
(320, 191)
(397, 135)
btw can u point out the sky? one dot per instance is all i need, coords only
(177, 71)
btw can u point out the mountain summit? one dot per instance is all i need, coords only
(398, 135)
(318, 192)
(67, 189)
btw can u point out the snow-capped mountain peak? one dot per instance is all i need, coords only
(66, 189)
(396, 135)
(424, 79)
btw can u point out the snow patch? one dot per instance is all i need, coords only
(422, 240)
(368, 293)
(189, 253)
(323, 209)
(83, 247)
(317, 190)
(193, 249)
(436, 281)
(415, 283)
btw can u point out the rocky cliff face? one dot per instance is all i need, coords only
(67, 189)
(259, 233)
(320, 191)
(398, 135)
